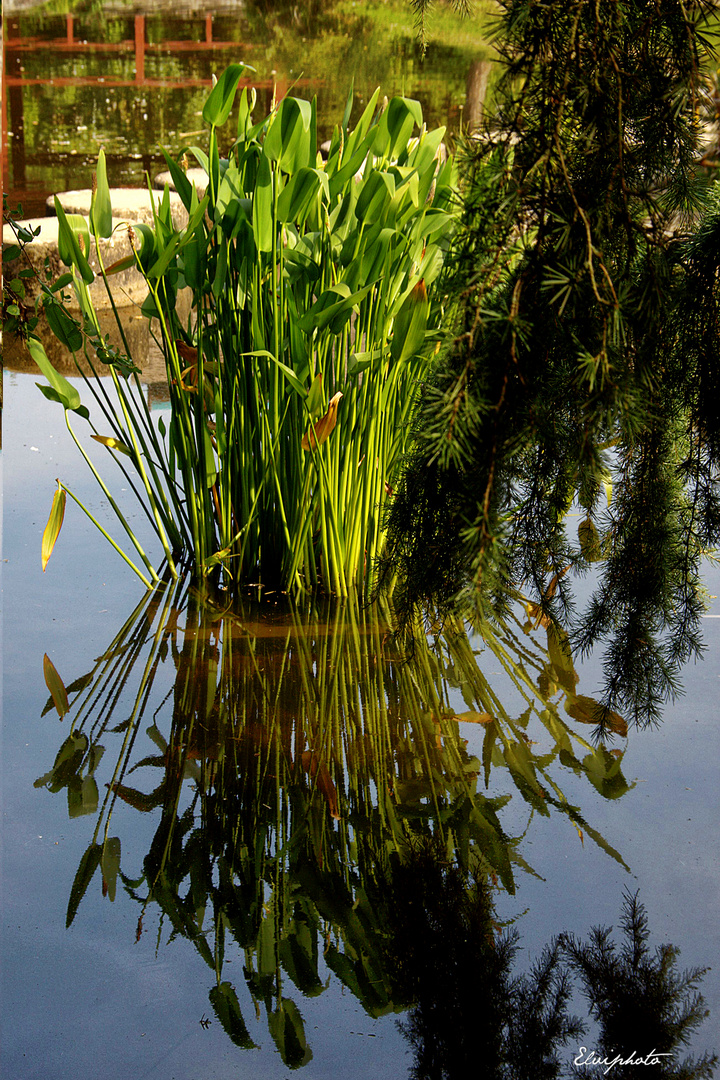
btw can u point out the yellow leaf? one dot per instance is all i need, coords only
(52, 529)
(475, 717)
(56, 686)
(114, 444)
(324, 426)
(588, 711)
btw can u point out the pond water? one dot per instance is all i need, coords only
(132, 81)
(251, 774)
(130, 987)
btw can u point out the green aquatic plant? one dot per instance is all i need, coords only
(292, 758)
(292, 379)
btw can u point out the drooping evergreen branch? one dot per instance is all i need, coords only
(583, 357)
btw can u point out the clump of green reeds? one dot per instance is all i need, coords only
(312, 316)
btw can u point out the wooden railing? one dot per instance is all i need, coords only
(14, 79)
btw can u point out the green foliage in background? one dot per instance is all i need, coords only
(582, 370)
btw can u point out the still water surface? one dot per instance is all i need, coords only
(92, 1000)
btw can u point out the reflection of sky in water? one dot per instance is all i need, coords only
(89, 998)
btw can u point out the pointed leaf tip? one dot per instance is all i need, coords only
(52, 529)
(56, 686)
(319, 432)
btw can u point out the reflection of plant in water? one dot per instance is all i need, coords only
(319, 757)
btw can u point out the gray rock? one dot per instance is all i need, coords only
(128, 286)
(198, 177)
(128, 204)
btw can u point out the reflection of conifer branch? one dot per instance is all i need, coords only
(640, 1001)
(585, 346)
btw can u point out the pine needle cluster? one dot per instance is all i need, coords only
(583, 366)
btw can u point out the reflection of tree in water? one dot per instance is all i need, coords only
(473, 1016)
(317, 808)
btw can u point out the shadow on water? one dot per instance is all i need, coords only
(316, 809)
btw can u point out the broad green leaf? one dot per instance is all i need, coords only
(148, 245)
(52, 395)
(167, 255)
(221, 265)
(55, 684)
(194, 253)
(263, 206)
(201, 158)
(62, 282)
(360, 362)
(287, 372)
(210, 465)
(100, 206)
(69, 228)
(315, 396)
(220, 101)
(352, 163)
(227, 1009)
(410, 324)
(288, 136)
(375, 197)
(178, 241)
(373, 258)
(63, 326)
(297, 197)
(182, 185)
(245, 111)
(67, 394)
(348, 105)
(288, 1034)
(424, 155)
(88, 865)
(361, 129)
(110, 864)
(332, 308)
(396, 126)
